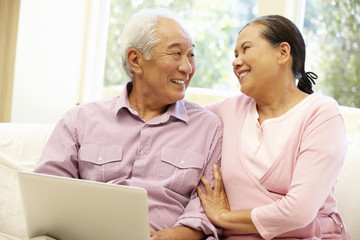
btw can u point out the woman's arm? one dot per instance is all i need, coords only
(216, 206)
(318, 163)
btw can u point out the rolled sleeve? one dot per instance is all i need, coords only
(198, 221)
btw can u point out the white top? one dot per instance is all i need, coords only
(259, 156)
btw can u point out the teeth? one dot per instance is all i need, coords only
(177, 81)
(243, 74)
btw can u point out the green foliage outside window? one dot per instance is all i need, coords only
(332, 30)
(214, 25)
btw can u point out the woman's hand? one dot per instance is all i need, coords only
(214, 200)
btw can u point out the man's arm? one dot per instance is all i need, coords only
(177, 233)
(194, 215)
(60, 152)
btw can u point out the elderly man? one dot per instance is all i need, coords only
(148, 136)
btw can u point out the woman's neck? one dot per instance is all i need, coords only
(276, 105)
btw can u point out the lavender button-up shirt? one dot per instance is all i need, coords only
(107, 141)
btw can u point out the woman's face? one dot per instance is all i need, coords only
(255, 63)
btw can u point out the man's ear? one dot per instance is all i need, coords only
(134, 58)
(284, 52)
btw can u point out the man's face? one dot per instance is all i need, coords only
(172, 65)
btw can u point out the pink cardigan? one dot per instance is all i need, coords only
(295, 197)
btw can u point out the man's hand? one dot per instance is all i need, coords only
(41, 238)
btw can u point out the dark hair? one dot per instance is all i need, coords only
(279, 29)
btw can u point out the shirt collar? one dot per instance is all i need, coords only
(177, 109)
(122, 101)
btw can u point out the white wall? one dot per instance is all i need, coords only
(54, 58)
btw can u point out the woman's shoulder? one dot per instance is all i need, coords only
(322, 105)
(231, 103)
(231, 108)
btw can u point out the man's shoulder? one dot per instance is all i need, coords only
(196, 110)
(98, 104)
(192, 106)
(91, 109)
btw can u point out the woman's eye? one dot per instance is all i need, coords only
(245, 48)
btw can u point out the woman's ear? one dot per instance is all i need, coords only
(284, 52)
(134, 58)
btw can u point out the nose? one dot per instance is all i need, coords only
(237, 62)
(185, 66)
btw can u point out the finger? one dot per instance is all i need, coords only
(218, 185)
(207, 185)
(152, 232)
(220, 174)
(200, 192)
(217, 172)
(204, 180)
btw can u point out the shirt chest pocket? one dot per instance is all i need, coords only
(100, 163)
(181, 170)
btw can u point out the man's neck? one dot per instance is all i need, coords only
(146, 108)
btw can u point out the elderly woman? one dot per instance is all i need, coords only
(283, 146)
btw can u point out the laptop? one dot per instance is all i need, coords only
(75, 209)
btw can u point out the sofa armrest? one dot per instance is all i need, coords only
(20, 148)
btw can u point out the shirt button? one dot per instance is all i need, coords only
(142, 153)
(100, 158)
(182, 162)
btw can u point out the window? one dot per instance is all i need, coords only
(332, 34)
(214, 26)
(331, 30)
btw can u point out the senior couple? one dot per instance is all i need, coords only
(281, 146)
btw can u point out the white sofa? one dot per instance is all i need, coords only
(22, 144)
(20, 148)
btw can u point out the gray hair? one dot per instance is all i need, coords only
(140, 32)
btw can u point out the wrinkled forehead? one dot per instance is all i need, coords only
(172, 33)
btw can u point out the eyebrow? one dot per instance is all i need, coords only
(178, 45)
(242, 45)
